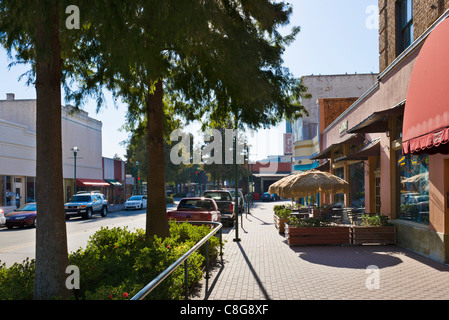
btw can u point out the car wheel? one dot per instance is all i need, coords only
(34, 223)
(67, 217)
(88, 215)
(104, 213)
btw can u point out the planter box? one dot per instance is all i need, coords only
(279, 223)
(318, 236)
(373, 235)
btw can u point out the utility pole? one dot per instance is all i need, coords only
(237, 239)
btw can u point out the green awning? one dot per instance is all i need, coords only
(113, 183)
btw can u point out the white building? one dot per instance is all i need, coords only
(18, 149)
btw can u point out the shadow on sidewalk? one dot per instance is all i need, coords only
(351, 257)
(209, 289)
(256, 277)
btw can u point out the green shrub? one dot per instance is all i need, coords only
(375, 221)
(16, 282)
(307, 223)
(118, 263)
(169, 199)
(284, 213)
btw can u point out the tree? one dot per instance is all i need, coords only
(31, 30)
(209, 57)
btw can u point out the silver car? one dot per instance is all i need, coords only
(136, 202)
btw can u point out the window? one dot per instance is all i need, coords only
(413, 179)
(405, 25)
(339, 198)
(357, 184)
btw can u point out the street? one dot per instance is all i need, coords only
(19, 243)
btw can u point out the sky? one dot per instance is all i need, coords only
(337, 37)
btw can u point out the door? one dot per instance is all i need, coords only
(20, 192)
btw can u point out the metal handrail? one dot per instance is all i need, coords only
(153, 284)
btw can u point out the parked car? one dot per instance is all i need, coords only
(85, 204)
(241, 198)
(268, 197)
(420, 202)
(2, 217)
(136, 202)
(22, 217)
(225, 205)
(196, 209)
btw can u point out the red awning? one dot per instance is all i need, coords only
(91, 183)
(426, 115)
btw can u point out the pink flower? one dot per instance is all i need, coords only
(125, 295)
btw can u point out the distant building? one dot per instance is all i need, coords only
(18, 150)
(305, 130)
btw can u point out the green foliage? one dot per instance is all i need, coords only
(169, 199)
(16, 282)
(282, 211)
(375, 221)
(307, 223)
(117, 263)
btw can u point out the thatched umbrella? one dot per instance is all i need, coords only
(309, 183)
(275, 188)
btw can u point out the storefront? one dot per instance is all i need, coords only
(18, 150)
(401, 169)
(424, 161)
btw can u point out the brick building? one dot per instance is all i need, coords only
(404, 123)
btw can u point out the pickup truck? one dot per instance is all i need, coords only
(195, 209)
(225, 205)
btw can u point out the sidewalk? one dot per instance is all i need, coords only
(262, 266)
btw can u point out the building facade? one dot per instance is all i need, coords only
(306, 130)
(395, 133)
(18, 150)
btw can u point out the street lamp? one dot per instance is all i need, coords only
(137, 178)
(75, 153)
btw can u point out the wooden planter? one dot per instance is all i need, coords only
(318, 236)
(279, 223)
(373, 235)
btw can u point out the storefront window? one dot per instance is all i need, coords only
(413, 188)
(30, 191)
(339, 198)
(8, 196)
(357, 185)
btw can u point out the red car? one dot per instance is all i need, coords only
(22, 217)
(196, 209)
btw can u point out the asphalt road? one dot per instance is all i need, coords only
(19, 243)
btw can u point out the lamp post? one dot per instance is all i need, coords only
(75, 153)
(137, 178)
(236, 186)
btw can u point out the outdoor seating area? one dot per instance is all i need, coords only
(329, 224)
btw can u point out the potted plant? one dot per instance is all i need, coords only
(281, 215)
(316, 231)
(374, 229)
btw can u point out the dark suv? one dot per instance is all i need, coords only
(85, 204)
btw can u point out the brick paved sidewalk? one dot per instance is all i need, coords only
(262, 266)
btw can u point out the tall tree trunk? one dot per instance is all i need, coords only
(51, 235)
(157, 223)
